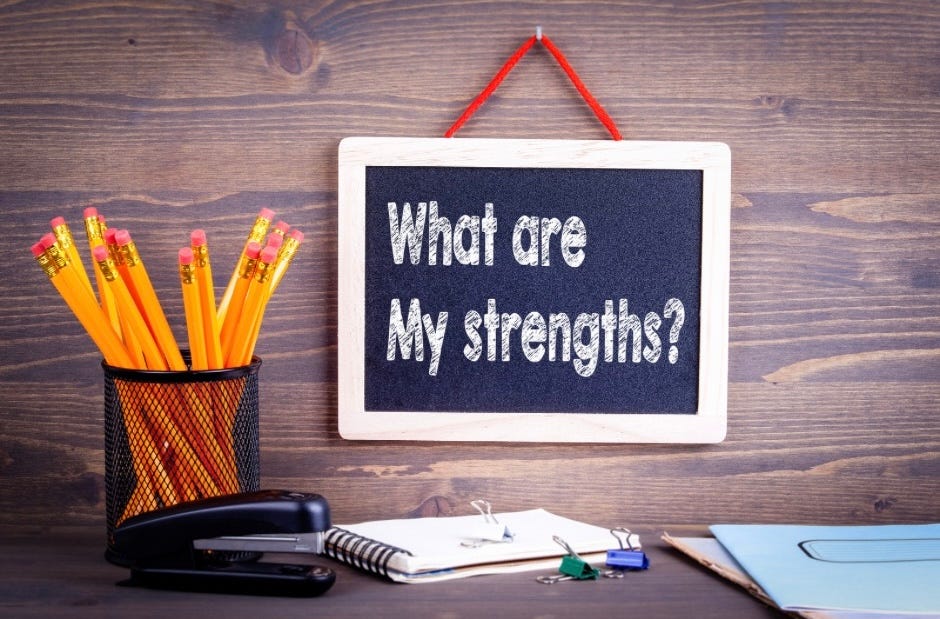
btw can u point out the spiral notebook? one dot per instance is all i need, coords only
(419, 550)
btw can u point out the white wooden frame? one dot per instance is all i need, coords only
(708, 425)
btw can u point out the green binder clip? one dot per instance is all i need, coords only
(573, 565)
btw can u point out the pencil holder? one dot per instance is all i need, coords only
(172, 437)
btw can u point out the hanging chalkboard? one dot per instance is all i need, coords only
(533, 290)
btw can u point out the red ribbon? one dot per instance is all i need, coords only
(599, 111)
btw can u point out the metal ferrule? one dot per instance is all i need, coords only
(201, 256)
(108, 269)
(47, 264)
(187, 273)
(114, 253)
(248, 268)
(259, 229)
(263, 271)
(58, 256)
(129, 254)
(93, 230)
(63, 235)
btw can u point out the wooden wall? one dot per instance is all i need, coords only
(175, 115)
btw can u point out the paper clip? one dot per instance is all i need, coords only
(624, 559)
(572, 567)
(490, 531)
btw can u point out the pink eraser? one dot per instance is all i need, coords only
(47, 240)
(122, 237)
(282, 226)
(186, 255)
(253, 250)
(109, 236)
(275, 241)
(37, 249)
(297, 235)
(269, 254)
(197, 238)
(266, 213)
(57, 221)
(91, 212)
(99, 253)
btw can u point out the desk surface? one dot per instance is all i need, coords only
(65, 574)
(172, 115)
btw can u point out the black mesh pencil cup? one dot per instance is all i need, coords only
(172, 437)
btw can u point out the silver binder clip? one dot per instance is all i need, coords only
(487, 531)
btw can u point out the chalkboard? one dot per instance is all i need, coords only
(533, 290)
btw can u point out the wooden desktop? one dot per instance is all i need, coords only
(175, 115)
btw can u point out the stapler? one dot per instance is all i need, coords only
(216, 544)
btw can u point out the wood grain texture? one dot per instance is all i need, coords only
(176, 115)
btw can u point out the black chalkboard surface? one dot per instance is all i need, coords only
(533, 290)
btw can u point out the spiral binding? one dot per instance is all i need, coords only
(360, 551)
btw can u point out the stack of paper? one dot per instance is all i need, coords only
(829, 571)
(435, 549)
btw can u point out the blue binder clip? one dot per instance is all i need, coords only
(627, 558)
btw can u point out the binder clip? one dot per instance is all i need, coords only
(487, 531)
(624, 559)
(572, 567)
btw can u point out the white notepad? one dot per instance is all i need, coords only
(434, 549)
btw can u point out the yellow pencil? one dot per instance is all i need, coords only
(95, 234)
(133, 319)
(139, 283)
(255, 301)
(210, 321)
(246, 268)
(54, 263)
(285, 256)
(258, 230)
(193, 310)
(67, 244)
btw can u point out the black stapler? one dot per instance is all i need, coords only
(215, 544)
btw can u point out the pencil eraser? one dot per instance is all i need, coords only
(37, 249)
(275, 241)
(282, 226)
(269, 254)
(266, 213)
(90, 212)
(197, 238)
(297, 235)
(57, 221)
(253, 250)
(47, 240)
(99, 253)
(186, 255)
(122, 237)
(109, 236)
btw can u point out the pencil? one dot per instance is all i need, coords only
(83, 305)
(145, 295)
(255, 301)
(193, 310)
(93, 230)
(246, 268)
(133, 319)
(256, 235)
(210, 320)
(285, 256)
(67, 244)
